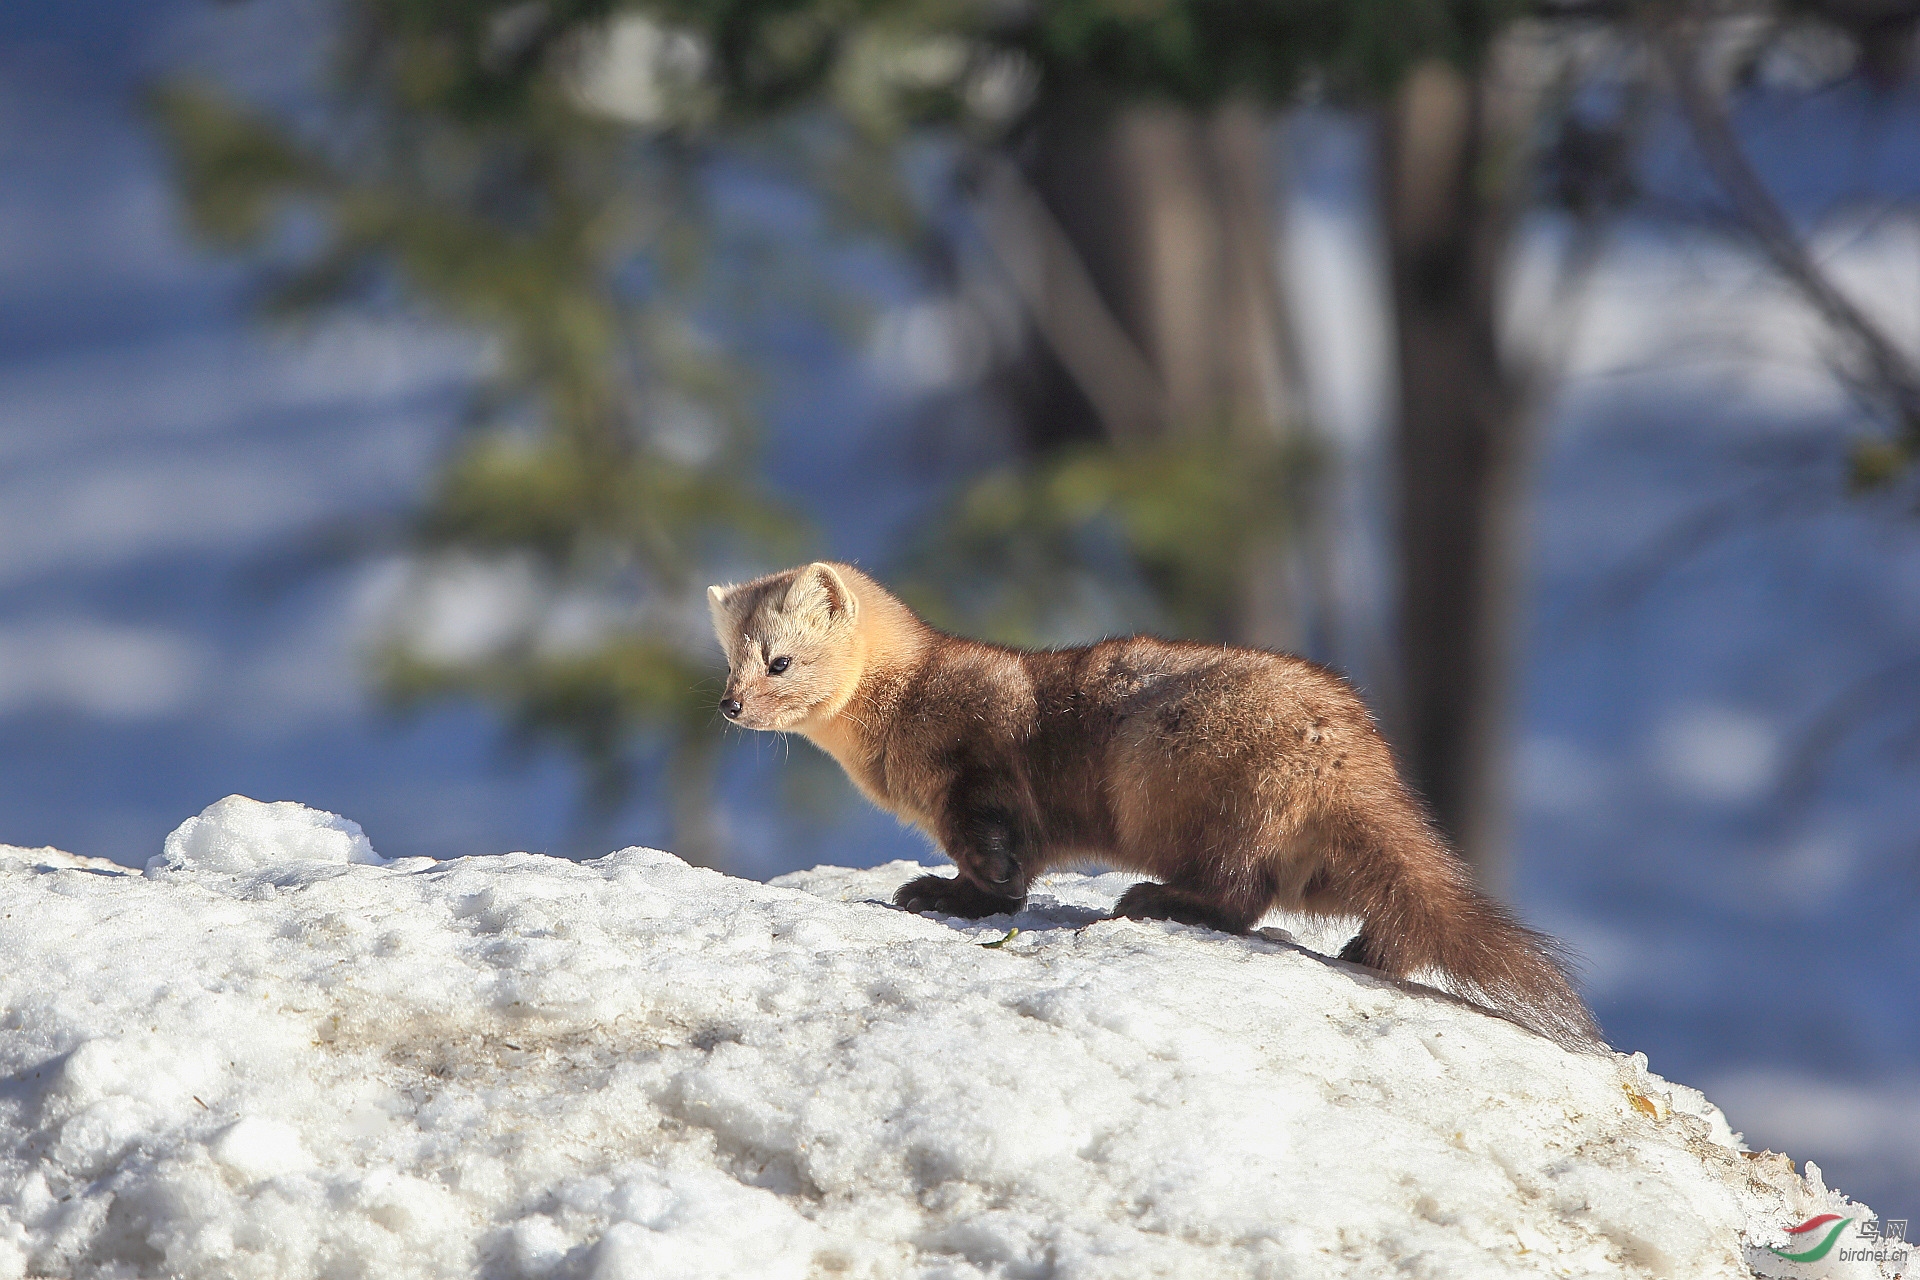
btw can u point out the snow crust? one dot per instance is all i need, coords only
(277, 1055)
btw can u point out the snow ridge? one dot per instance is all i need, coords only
(277, 1055)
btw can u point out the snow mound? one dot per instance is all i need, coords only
(277, 1056)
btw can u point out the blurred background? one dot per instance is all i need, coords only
(382, 381)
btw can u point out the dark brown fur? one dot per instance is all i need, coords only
(1240, 780)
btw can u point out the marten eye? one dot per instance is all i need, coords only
(778, 665)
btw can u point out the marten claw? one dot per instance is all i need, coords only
(951, 897)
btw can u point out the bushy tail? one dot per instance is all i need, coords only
(1423, 911)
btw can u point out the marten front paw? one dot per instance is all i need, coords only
(950, 896)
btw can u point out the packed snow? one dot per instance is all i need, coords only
(276, 1054)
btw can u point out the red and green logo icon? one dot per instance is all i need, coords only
(1814, 1230)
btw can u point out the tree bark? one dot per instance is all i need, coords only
(1448, 182)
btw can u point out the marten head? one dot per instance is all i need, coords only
(789, 640)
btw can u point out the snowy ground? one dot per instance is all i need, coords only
(165, 461)
(278, 1055)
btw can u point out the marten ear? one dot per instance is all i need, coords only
(819, 590)
(717, 606)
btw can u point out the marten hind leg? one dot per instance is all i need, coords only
(1360, 949)
(1232, 910)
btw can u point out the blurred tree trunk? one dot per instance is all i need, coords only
(1157, 298)
(1884, 31)
(1449, 180)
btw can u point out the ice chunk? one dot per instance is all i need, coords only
(695, 1223)
(258, 1149)
(238, 835)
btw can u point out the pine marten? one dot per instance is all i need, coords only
(1240, 780)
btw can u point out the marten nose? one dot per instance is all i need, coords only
(730, 708)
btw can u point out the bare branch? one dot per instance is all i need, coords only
(1060, 296)
(1842, 716)
(1886, 375)
(1779, 492)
